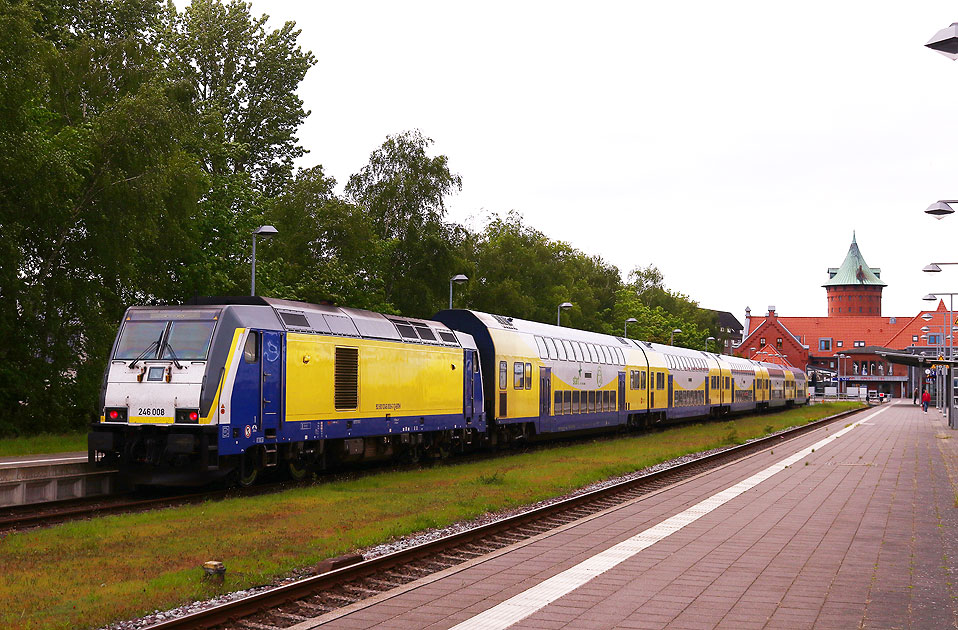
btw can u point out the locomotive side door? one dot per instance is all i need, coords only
(272, 380)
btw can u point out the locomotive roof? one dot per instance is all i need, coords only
(328, 319)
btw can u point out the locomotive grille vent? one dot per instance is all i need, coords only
(346, 384)
(505, 321)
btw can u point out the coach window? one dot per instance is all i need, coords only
(528, 374)
(561, 349)
(557, 404)
(567, 401)
(541, 345)
(250, 354)
(592, 401)
(575, 401)
(517, 371)
(551, 345)
(643, 381)
(569, 354)
(577, 349)
(503, 371)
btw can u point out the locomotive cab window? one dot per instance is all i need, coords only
(189, 341)
(528, 376)
(517, 379)
(140, 338)
(251, 349)
(503, 374)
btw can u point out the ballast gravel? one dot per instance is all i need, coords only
(406, 542)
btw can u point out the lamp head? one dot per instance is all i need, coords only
(458, 278)
(939, 209)
(566, 305)
(945, 42)
(265, 231)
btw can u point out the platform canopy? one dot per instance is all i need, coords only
(915, 360)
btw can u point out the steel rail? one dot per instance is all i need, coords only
(260, 602)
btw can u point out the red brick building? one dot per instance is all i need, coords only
(845, 344)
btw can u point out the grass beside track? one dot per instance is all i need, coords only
(43, 443)
(90, 573)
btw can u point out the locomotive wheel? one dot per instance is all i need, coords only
(297, 469)
(247, 470)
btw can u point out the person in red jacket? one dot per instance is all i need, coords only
(925, 399)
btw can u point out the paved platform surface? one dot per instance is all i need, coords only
(47, 459)
(860, 533)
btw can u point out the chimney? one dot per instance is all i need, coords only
(771, 311)
(748, 317)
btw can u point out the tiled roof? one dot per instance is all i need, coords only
(873, 331)
(854, 270)
(769, 354)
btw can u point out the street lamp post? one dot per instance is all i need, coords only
(707, 340)
(946, 330)
(840, 357)
(457, 279)
(672, 336)
(631, 320)
(559, 312)
(265, 231)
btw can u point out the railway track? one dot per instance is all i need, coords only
(348, 580)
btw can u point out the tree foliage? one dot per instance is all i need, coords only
(141, 145)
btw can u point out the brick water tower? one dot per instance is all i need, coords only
(854, 288)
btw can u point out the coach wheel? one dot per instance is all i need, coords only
(412, 454)
(248, 470)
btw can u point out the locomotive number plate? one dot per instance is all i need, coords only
(148, 411)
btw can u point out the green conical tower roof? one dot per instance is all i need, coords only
(854, 270)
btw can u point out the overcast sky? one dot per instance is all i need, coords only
(734, 145)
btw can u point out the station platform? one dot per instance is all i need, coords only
(849, 526)
(29, 479)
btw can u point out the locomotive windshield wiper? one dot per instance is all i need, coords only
(144, 353)
(173, 354)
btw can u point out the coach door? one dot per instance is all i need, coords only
(546, 422)
(622, 405)
(272, 374)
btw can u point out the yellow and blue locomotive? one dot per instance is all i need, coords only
(239, 385)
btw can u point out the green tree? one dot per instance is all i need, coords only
(404, 191)
(517, 270)
(329, 249)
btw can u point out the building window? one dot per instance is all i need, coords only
(778, 342)
(825, 344)
(839, 343)
(934, 340)
(914, 338)
(761, 342)
(859, 344)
